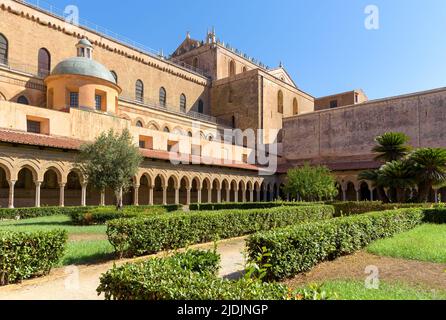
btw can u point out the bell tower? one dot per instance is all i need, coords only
(84, 49)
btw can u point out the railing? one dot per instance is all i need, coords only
(61, 14)
(23, 67)
(147, 103)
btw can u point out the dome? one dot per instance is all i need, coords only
(84, 67)
(85, 42)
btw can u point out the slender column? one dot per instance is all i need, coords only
(136, 195)
(236, 195)
(188, 196)
(371, 194)
(210, 195)
(199, 194)
(259, 195)
(344, 195)
(218, 195)
(243, 195)
(84, 195)
(38, 185)
(150, 196)
(436, 195)
(358, 195)
(228, 195)
(11, 194)
(164, 195)
(251, 195)
(265, 195)
(102, 198)
(177, 195)
(62, 194)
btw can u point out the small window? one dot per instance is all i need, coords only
(166, 130)
(139, 124)
(23, 100)
(333, 104)
(200, 106)
(231, 68)
(33, 126)
(142, 144)
(74, 99)
(356, 98)
(139, 91)
(98, 102)
(189, 134)
(163, 97)
(245, 69)
(44, 62)
(115, 75)
(3, 50)
(295, 107)
(280, 101)
(183, 103)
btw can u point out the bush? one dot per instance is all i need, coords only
(104, 214)
(24, 255)
(188, 276)
(140, 236)
(27, 213)
(246, 205)
(299, 248)
(356, 207)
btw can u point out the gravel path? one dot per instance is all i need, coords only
(80, 283)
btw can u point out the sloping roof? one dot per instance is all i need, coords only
(281, 70)
(32, 139)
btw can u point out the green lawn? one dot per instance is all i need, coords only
(356, 290)
(424, 243)
(78, 251)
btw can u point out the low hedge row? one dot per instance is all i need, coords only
(245, 205)
(25, 255)
(104, 214)
(140, 236)
(356, 207)
(27, 213)
(299, 248)
(188, 276)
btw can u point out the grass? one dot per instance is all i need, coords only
(77, 252)
(356, 290)
(424, 243)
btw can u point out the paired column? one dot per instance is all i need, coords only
(150, 195)
(210, 195)
(177, 195)
(218, 196)
(84, 195)
(199, 195)
(38, 185)
(11, 194)
(251, 195)
(164, 195)
(259, 195)
(136, 195)
(62, 194)
(344, 195)
(235, 195)
(228, 195)
(188, 196)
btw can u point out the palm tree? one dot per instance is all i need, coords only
(391, 146)
(398, 175)
(430, 169)
(373, 177)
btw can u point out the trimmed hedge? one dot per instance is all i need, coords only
(140, 236)
(104, 214)
(187, 276)
(299, 248)
(355, 207)
(25, 255)
(27, 213)
(246, 205)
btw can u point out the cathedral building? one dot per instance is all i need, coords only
(61, 85)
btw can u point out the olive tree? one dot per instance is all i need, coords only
(111, 161)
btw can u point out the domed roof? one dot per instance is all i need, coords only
(85, 42)
(84, 67)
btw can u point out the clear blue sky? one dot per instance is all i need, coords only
(323, 44)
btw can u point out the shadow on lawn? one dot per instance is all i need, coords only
(89, 259)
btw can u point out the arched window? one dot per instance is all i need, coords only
(195, 62)
(166, 130)
(231, 68)
(183, 103)
(115, 75)
(189, 134)
(200, 106)
(245, 69)
(139, 91)
(295, 107)
(280, 102)
(23, 100)
(44, 62)
(139, 124)
(3, 49)
(163, 97)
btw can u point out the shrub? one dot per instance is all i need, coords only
(356, 207)
(246, 205)
(299, 248)
(24, 255)
(27, 213)
(104, 214)
(148, 235)
(188, 276)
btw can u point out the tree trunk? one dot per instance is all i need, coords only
(382, 195)
(423, 191)
(118, 194)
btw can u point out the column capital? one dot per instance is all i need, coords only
(12, 182)
(62, 184)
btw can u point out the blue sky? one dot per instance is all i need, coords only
(323, 44)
